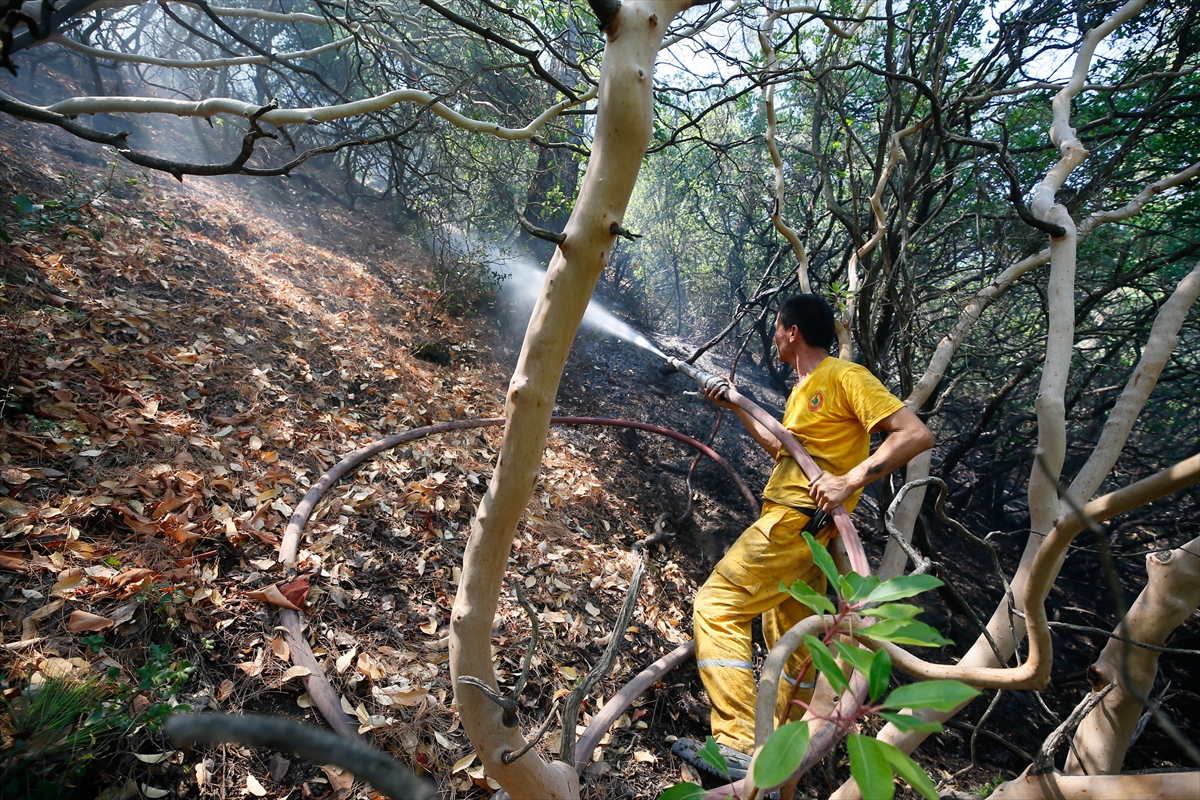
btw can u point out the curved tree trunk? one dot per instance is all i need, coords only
(1171, 595)
(623, 128)
(1056, 786)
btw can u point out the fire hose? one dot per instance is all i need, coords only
(709, 382)
(325, 698)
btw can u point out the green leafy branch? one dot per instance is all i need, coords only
(874, 764)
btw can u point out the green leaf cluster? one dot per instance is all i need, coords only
(875, 765)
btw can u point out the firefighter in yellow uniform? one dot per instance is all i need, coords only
(834, 408)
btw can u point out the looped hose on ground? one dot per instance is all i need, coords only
(322, 692)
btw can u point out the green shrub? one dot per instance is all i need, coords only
(874, 764)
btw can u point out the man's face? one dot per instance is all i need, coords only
(784, 339)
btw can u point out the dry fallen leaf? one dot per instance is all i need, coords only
(14, 477)
(296, 589)
(296, 671)
(410, 698)
(125, 613)
(341, 780)
(83, 622)
(131, 576)
(224, 690)
(12, 508)
(463, 763)
(644, 756)
(254, 787)
(369, 668)
(278, 766)
(253, 668)
(281, 649)
(274, 597)
(13, 561)
(68, 585)
(344, 660)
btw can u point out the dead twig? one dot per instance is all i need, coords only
(512, 755)
(603, 665)
(1045, 758)
(318, 746)
(508, 703)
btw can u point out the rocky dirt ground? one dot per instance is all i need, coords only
(182, 361)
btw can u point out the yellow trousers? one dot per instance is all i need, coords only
(745, 585)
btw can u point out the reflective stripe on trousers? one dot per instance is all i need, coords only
(745, 585)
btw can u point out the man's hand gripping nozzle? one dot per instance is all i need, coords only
(706, 381)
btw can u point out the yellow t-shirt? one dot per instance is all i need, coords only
(831, 412)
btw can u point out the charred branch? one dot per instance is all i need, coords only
(603, 665)
(508, 703)
(533, 230)
(318, 746)
(1045, 759)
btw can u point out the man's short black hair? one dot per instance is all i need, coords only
(813, 315)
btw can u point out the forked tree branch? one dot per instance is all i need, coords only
(1035, 671)
(1045, 758)
(604, 664)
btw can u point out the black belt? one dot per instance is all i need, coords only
(817, 519)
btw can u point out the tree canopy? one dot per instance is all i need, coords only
(998, 197)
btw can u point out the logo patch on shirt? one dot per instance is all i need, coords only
(816, 401)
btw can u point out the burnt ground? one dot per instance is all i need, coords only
(176, 381)
(607, 377)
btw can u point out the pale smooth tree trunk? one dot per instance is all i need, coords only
(894, 559)
(623, 128)
(1056, 786)
(1172, 593)
(1120, 420)
(1043, 489)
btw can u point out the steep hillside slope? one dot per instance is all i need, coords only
(178, 368)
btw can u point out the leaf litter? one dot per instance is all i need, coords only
(175, 386)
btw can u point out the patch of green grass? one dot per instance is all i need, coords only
(53, 734)
(987, 788)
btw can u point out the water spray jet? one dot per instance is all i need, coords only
(523, 282)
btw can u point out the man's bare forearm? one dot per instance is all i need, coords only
(896, 451)
(907, 436)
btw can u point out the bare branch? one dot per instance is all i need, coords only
(557, 237)
(318, 746)
(208, 63)
(1045, 758)
(603, 664)
(300, 116)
